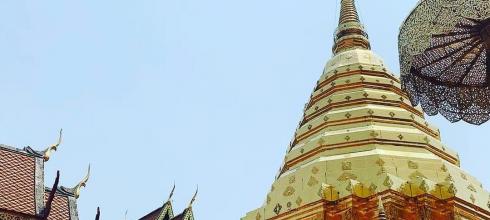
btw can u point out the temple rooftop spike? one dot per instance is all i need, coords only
(47, 153)
(193, 197)
(49, 201)
(83, 183)
(350, 33)
(97, 216)
(171, 193)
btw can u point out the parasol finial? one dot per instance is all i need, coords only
(350, 34)
(348, 12)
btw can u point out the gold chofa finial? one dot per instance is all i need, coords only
(54, 147)
(350, 33)
(82, 183)
(194, 197)
(171, 193)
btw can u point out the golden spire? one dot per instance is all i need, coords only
(350, 33)
(82, 183)
(193, 197)
(54, 147)
(348, 12)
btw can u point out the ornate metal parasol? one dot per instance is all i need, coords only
(445, 61)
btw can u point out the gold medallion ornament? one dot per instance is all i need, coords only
(346, 165)
(373, 187)
(298, 201)
(292, 179)
(449, 178)
(347, 176)
(374, 134)
(444, 168)
(380, 162)
(472, 188)
(278, 209)
(416, 175)
(412, 165)
(472, 197)
(258, 217)
(315, 170)
(388, 182)
(312, 181)
(289, 191)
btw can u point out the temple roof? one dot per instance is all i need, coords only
(166, 212)
(163, 213)
(18, 181)
(22, 189)
(187, 214)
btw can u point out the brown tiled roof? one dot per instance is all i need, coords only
(166, 207)
(17, 182)
(182, 215)
(22, 187)
(152, 215)
(60, 209)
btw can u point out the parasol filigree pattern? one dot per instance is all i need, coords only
(444, 58)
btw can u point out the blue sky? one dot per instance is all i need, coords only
(197, 92)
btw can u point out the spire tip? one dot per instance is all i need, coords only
(350, 33)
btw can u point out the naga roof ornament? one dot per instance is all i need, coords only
(171, 193)
(82, 183)
(444, 50)
(193, 197)
(75, 191)
(47, 153)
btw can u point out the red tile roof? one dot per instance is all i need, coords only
(60, 209)
(17, 182)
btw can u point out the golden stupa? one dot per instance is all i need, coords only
(362, 151)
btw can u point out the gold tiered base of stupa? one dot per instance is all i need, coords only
(361, 146)
(396, 206)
